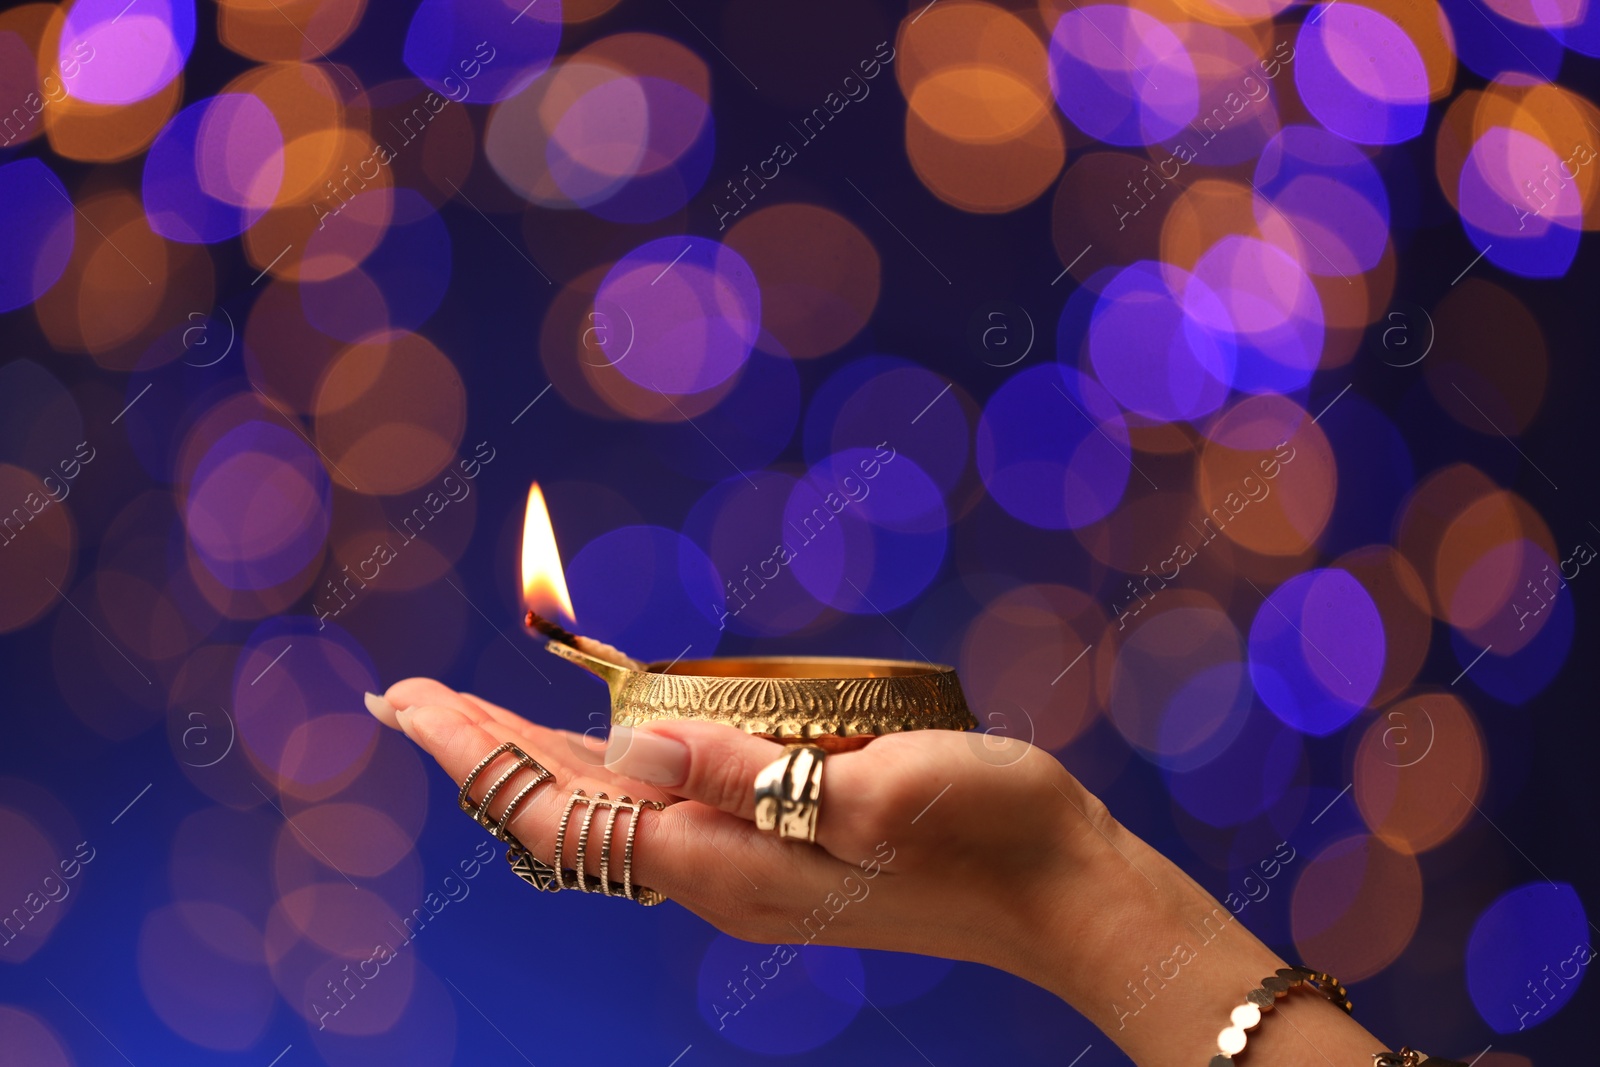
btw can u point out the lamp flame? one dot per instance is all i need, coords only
(544, 586)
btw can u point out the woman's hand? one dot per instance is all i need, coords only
(965, 846)
(963, 843)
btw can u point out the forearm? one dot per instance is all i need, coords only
(1158, 964)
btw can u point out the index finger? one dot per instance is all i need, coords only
(560, 750)
(692, 853)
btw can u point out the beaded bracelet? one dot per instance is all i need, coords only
(1262, 999)
(1247, 1016)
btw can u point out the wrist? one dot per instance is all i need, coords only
(1154, 961)
(1143, 952)
(1120, 913)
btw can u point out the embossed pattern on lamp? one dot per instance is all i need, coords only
(835, 702)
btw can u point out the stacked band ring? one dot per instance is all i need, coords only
(479, 810)
(548, 877)
(535, 872)
(602, 883)
(789, 793)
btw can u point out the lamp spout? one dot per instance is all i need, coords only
(610, 673)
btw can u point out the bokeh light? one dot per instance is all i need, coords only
(31, 1039)
(869, 527)
(1356, 906)
(1527, 955)
(1181, 691)
(1166, 317)
(818, 273)
(202, 966)
(1360, 75)
(807, 993)
(1247, 779)
(649, 589)
(740, 526)
(391, 412)
(852, 408)
(257, 507)
(138, 52)
(213, 170)
(1267, 478)
(1316, 650)
(304, 725)
(1419, 770)
(1402, 605)
(279, 30)
(1332, 196)
(36, 213)
(622, 129)
(39, 536)
(694, 307)
(980, 130)
(1053, 449)
(1026, 655)
(40, 880)
(1107, 69)
(481, 50)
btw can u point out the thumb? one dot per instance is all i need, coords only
(712, 763)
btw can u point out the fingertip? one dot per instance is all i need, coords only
(647, 756)
(410, 692)
(712, 742)
(617, 742)
(713, 763)
(381, 710)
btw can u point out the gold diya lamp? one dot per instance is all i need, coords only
(834, 702)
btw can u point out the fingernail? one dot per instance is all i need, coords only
(647, 756)
(380, 708)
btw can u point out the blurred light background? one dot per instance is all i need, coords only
(1220, 366)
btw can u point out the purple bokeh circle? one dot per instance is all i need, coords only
(213, 170)
(116, 53)
(648, 589)
(1527, 955)
(1155, 347)
(673, 141)
(296, 672)
(36, 217)
(481, 51)
(1360, 75)
(1528, 229)
(258, 507)
(865, 530)
(851, 409)
(1331, 193)
(1317, 650)
(1121, 75)
(739, 524)
(399, 284)
(1260, 294)
(1053, 448)
(1245, 780)
(695, 311)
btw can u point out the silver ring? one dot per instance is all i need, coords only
(789, 793)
